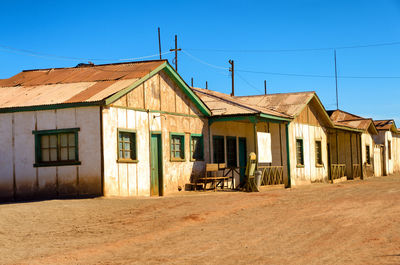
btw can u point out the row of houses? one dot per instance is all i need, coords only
(137, 129)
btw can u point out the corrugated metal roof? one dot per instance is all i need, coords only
(385, 125)
(224, 104)
(343, 118)
(290, 104)
(71, 85)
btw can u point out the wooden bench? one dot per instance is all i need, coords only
(210, 176)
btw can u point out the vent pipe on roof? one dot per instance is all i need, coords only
(232, 70)
(265, 87)
(206, 85)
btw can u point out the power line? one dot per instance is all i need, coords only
(247, 82)
(203, 62)
(299, 49)
(60, 57)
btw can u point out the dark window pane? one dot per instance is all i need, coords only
(219, 149)
(231, 151)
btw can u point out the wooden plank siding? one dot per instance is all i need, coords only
(157, 105)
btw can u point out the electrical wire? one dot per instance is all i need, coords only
(53, 56)
(203, 62)
(300, 49)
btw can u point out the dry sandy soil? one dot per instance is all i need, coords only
(355, 222)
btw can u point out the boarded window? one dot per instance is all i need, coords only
(368, 154)
(56, 147)
(299, 152)
(196, 147)
(390, 150)
(219, 149)
(177, 147)
(126, 146)
(318, 153)
(231, 151)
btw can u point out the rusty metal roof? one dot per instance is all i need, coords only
(222, 104)
(89, 83)
(290, 104)
(385, 125)
(343, 118)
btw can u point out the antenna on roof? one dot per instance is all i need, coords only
(232, 70)
(159, 42)
(265, 87)
(337, 96)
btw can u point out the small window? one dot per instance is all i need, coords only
(56, 147)
(196, 147)
(318, 153)
(299, 152)
(390, 149)
(231, 151)
(219, 149)
(368, 155)
(127, 146)
(177, 147)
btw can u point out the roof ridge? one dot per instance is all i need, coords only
(95, 65)
(283, 93)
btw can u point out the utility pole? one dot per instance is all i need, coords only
(337, 95)
(265, 87)
(159, 42)
(206, 85)
(176, 52)
(232, 70)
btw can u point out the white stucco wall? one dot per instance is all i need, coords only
(17, 154)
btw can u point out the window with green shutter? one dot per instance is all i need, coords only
(196, 147)
(56, 147)
(318, 153)
(368, 155)
(177, 146)
(127, 146)
(299, 152)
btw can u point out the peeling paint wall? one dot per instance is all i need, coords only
(17, 154)
(308, 128)
(158, 105)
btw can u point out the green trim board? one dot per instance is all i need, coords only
(174, 76)
(181, 149)
(250, 118)
(50, 107)
(126, 160)
(201, 147)
(57, 132)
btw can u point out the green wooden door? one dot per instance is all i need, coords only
(242, 158)
(156, 166)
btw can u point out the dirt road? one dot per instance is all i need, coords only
(356, 222)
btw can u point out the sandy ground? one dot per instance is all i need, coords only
(356, 222)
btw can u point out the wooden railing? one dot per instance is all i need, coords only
(356, 171)
(271, 175)
(337, 171)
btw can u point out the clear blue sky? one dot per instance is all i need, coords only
(128, 29)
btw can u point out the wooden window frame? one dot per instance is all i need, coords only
(389, 149)
(302, 153)
(182, 136)
(227, 150)
(317, 164)
(38, 150)
(124, 160)
(201, 147)
(223, 147)
(368, 154)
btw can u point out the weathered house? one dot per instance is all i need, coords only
(351, 141)
(237, 128)
(307, 135)
(389, 137)
(116, 129)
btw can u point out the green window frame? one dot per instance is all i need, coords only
(299, 152)
(196, 147)
(58, 147)
(367, 155)
(218, 149)
(127, 146)
(177, 147)
(318, 153)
